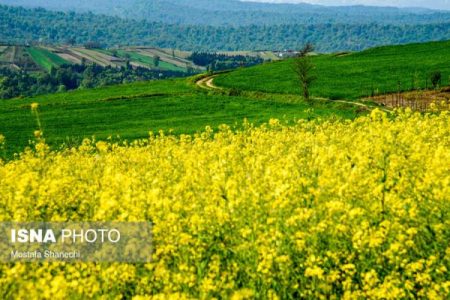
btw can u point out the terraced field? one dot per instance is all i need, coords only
(98, 57)
(17, 58)
(167, 61)
(45, 58)
(136, 59)
(177, 53)
(66, 54)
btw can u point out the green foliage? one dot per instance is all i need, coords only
(156, 60)
(239, 13)
(70, 77)
(351, 76)
(218, 62)
(20, 25)
(436, 78)
(304, 68)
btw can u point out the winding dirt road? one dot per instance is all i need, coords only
(207, 83)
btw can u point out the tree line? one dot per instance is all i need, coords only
(21, 83)
(20, 25)
(218, 62)
(238, 13)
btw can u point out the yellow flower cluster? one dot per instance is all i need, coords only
(315, 210)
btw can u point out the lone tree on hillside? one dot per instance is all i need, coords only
(304, 67)
(156, 60)
(436, 78)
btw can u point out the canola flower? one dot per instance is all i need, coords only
(34, 106)
(317, 210)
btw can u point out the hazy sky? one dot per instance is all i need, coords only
(437, 4)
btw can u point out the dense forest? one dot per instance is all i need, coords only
(20, 25)
(219, 62)
(239, 13)
(69, 77)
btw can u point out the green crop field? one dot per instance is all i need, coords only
(45, 58)
(144, 59)
(132, 110)
(379, 70)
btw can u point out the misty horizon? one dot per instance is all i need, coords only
(439, 4)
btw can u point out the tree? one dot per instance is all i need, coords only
(88, 78)
(304, 67)
(71, 41)
(92, 45)
(156, 60)
(436, 78)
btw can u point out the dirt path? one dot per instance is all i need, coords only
(368, 107)
(207, 83)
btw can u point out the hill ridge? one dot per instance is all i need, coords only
(20, 25)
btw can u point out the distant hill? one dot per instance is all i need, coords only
(20, 25)
(380, 70)
(237, 13)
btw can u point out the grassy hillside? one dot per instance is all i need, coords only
(132, 110)
(378, 70)
(45, 58)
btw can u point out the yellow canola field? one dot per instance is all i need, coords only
(317, 210)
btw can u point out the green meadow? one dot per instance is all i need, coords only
(352, 75)
(131, 111)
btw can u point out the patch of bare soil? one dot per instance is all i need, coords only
(420, 100)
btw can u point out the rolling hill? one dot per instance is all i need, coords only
(352, 75)
(238, 13)
(257, 93)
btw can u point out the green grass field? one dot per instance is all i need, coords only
(379, 70)
(45, 58)
(132, 110)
